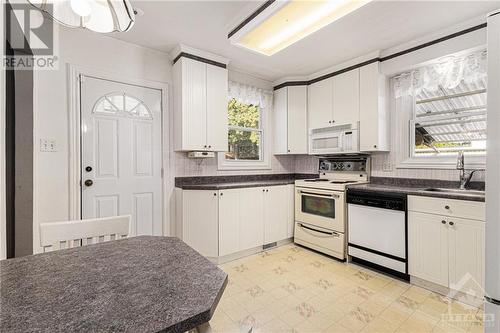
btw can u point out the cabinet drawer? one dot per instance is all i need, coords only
(449, 207)
(320, 239)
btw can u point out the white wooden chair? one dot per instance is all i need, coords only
(68, 234)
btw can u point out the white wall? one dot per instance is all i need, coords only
(95, 51)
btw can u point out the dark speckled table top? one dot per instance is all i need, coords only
(139, 284)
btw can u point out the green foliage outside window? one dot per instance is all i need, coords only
(244, 136)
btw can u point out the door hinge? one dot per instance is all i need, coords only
(81, 78)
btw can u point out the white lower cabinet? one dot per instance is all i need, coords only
(275, 214)
(428, 247)
(467, 255)
(447, 250)
(200, 221)
(229, 231)
(224, 222)
(251, 207)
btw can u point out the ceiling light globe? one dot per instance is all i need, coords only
(81, 7)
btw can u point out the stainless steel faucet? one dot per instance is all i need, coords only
(465, 177)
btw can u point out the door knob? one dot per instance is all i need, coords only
(89, 182)
(88, 168)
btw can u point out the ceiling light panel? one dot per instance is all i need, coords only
(287, 22)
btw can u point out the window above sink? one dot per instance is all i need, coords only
(440, 109)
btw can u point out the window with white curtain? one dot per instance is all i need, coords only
(443, 105)
(248, 137)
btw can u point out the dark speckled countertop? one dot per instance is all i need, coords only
(139, 284)
(416, 186)
(238, 181)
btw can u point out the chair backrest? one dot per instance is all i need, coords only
(68, 234)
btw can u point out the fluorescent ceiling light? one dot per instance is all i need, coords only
(285, 22)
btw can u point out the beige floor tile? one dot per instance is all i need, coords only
(379, 325)
(292, 317)
(444, 327)
(274, 326)
(418, 323)
(338, 328)
(357, 319)
(394, 314)
(292, 289)
(306, 327)
(416, 293)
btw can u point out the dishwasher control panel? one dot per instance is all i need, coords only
(375, 200)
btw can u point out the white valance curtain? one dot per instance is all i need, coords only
(447, 73)
(251, 95)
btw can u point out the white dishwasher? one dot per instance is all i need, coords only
(377, 231)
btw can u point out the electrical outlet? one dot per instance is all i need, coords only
(387, 166)
(48, 145)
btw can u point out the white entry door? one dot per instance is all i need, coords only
(121, 153)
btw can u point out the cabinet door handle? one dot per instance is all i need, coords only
(374, 146)
(451, 223)
(215, 194)
(443, 222)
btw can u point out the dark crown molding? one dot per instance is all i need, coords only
(201, 59)
(389, 57)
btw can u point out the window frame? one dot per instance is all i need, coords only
(406, 148)
(265, 147)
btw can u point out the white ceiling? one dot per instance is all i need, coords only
(377, 26)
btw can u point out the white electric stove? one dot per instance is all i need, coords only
(320, 205)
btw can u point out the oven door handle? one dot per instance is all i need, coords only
(320, 194)
(309, 229)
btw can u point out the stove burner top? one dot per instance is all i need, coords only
(316, 180)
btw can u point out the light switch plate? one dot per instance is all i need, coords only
(48, 145)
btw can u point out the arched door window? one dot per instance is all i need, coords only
(123, 105)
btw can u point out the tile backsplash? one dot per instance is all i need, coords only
(377, 170)
(187, 167)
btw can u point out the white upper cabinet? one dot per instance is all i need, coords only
(320, 104)
(334, 101)
(217, 87)
(280, 121)
(290, 120)
(346, 98)
(374, 118)
(200, 106)
(297, 120)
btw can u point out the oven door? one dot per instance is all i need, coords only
(321, 208)
(326, 143)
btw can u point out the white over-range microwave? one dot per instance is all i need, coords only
(343, 139)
